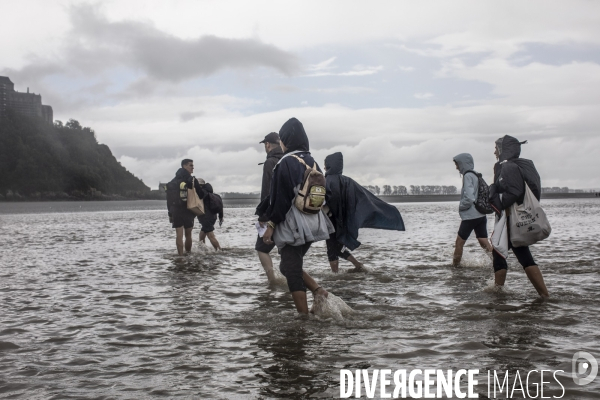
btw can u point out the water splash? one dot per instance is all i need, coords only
(278, 281)
(476, 258)
(491, 287)
(331, 307)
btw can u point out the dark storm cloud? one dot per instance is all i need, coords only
(95, 44)
(164, 56)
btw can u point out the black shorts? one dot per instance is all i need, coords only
(262, 246)
(183, 218)
(335, 249)
(207, 221)
(523, 255)
(479, 225)
(292, 260)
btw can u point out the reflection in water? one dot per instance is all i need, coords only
(290, 370)
(290, 373)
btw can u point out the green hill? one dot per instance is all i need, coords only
(39, 160)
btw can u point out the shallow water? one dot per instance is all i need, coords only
(96, 304)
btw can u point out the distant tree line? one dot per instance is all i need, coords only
(555, 190)
(414, 190)
(239, 195)
(38, 160)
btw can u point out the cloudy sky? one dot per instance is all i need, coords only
(398, 87)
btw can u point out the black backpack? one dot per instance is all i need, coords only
(215, 203)
(174, 194)
(482, 203)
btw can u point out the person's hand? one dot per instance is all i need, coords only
(220, 222)
(262, 224)
(267, 237)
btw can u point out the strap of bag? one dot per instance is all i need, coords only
(286, 155)
(302, 161)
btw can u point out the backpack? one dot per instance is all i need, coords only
(311, 196)
(176, 193)
(482, 203)
(215, 203)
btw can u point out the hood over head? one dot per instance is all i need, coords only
(334, 164)
(293, 136)
(508, 148)
(465, 162)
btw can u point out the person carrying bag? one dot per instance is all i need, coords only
(515, 195)
(194, 203)
(528, 221)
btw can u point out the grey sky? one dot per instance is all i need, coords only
(398, 87)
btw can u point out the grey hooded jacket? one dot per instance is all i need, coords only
(468, 194)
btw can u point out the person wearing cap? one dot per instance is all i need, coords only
(274, 154)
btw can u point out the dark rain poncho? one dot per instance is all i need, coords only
(510, 175)
(353, 207)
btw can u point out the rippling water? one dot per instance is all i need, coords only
(96, 304)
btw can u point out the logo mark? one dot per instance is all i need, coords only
(584, 363)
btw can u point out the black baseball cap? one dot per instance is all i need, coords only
(272, 137)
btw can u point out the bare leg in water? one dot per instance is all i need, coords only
(179, 239)
(358, 266)
(535, 277)
(299, 296)
(267, 264)
(458, 251)
(211, 237)
(460, 244)
(537, 280)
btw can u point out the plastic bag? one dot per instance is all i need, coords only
(499, 237)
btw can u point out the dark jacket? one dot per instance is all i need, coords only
(352, 206)
(273, 158)
(182, 175)
(510, 175)
(288, 173)
(208, 201)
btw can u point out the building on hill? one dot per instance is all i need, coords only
(29, 104)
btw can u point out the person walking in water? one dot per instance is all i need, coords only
(292, 230)
(213, 206)
(274, 154)
(177, 191)
(352, 207)
(510, 175)
(472, 219)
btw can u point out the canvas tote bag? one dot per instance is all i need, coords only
(194, 203)
(528, 223)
